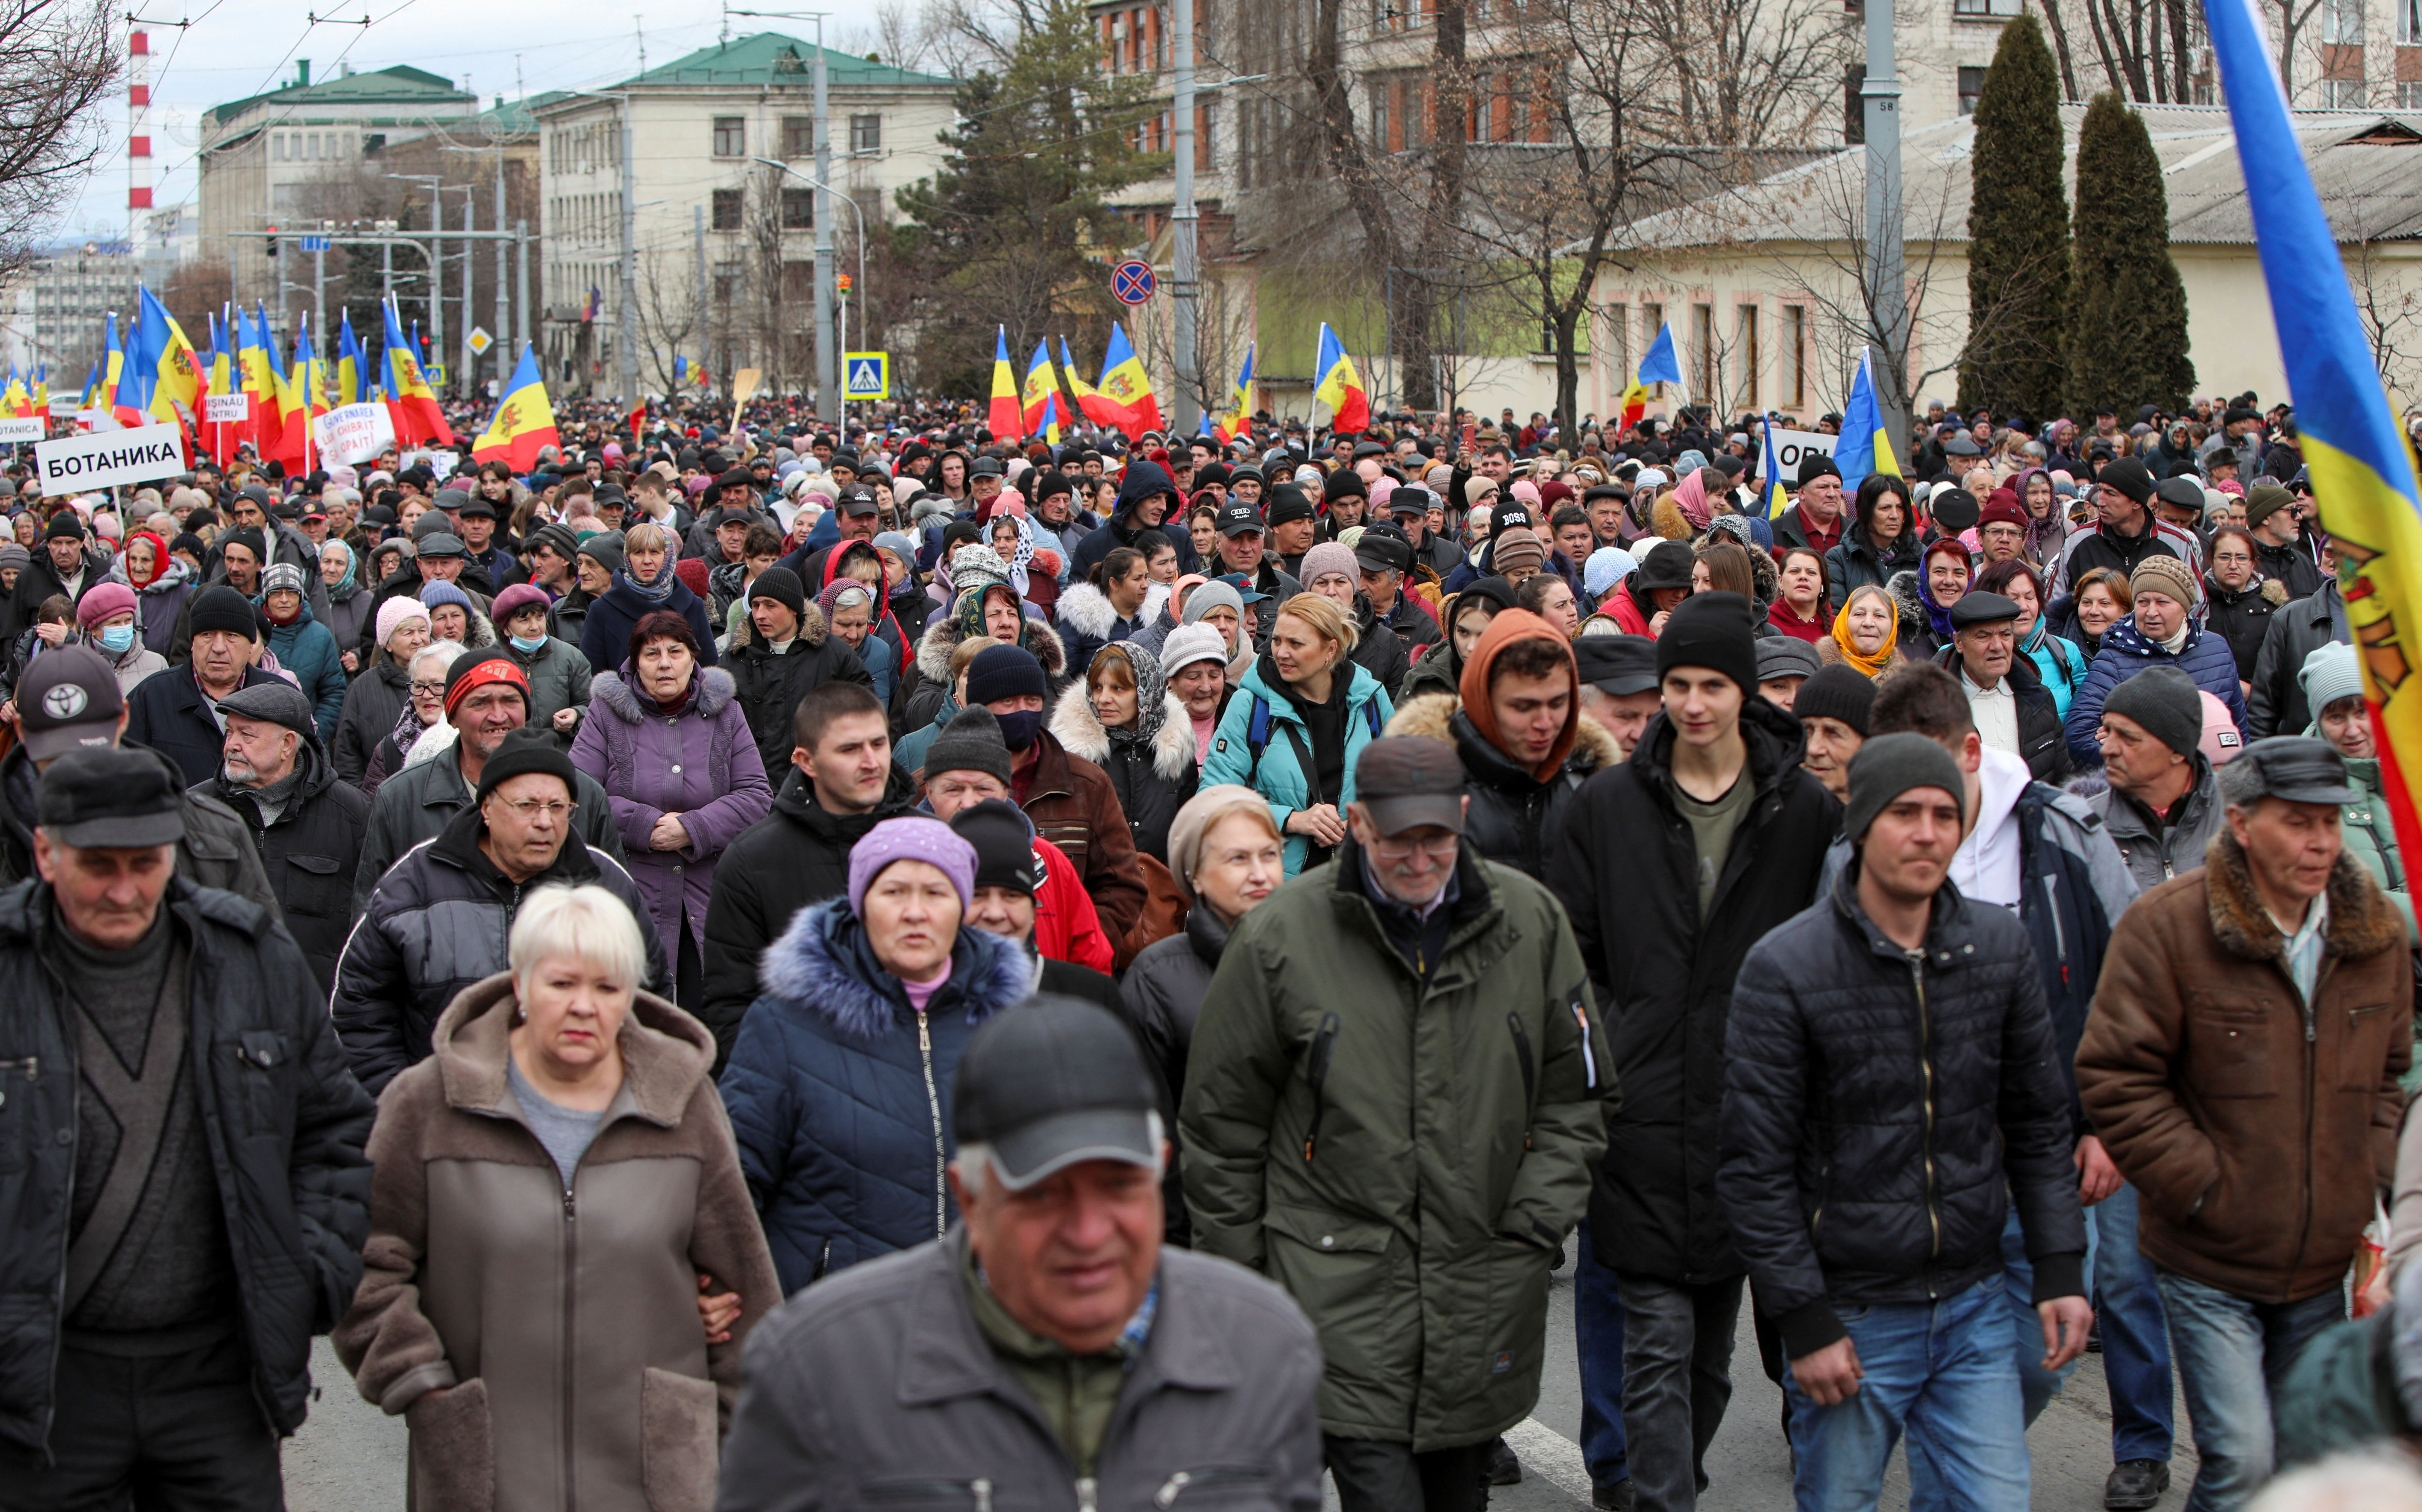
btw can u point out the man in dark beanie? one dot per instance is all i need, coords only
(784, 653)
(175, 711)
(1815, 518)
(2126, 530)
(1673, 864)
(967, 764)
(1832, 707)
(1930, 1111)
(2163, 806)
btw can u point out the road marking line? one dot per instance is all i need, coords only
(1550, 1455)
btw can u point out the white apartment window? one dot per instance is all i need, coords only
(866, 134)
(2409, 97)
(2342, 23)
(1986, 8)
(730, 136)
(2342, 94)
(2409, 22)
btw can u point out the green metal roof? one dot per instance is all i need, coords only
(770, 58)
(399, 84)
(513, 117)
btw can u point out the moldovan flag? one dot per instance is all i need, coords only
(16, 401)
(1865, 447)
(167, 383)
(2362, 469)
(42, 390)
(1003, 418)
(523, 421)
(113, 377)
(1034, 399)
(260, 374)
(1127, 388)
(352, 371)
(1336, 385)
(1089, 398)
(410, 400)
(1240, 402)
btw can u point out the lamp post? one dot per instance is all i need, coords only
(833, 196)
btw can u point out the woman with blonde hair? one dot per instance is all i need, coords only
(553, 1187)
(1302, 713)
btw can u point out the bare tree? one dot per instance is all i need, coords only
(58, 60)
(2145, 49)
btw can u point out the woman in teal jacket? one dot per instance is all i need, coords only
(1303, 713)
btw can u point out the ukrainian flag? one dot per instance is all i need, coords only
(1240, 402)
(2361, 470)
(1034, 399)
(1864, 447)
(1127, 388)
(1002, 416)
(1777, 500)
(523, 421)
(1336, 385)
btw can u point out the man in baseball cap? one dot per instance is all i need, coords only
(1618, 686)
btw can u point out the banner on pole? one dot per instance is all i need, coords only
(354, 432)
(23, 427)
(1790, 446)
(226, 409)
(72, 464)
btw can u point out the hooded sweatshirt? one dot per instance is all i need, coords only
(1508, 627)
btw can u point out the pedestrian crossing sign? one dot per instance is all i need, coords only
(866, 375)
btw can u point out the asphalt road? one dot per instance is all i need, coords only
(349, 1457)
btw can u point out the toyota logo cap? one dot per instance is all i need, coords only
(68, 701)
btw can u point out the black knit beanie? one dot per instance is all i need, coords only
(1836, 692)
(2164, 700)
(1890, 765)
(1711, 630)
(971, 742)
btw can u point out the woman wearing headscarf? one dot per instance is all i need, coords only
(1123, 718)
(1940, 582)
(161, 584)
(850, 610)
(642, 584)
(349, 601)
(839, 1083)
(2047, 521)
(1867, 633)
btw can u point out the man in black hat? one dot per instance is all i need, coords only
(1161, 1371)
(1410, 508)
(1010, 872)
(1662, 928)
(476, 520)
(1293, 528)
(174, 711)
(2015, 714)
(2125, 530)
(1241, 553)
(69, 701)
(2241, 1065)
(2162, 805)
(1383, 555)
(306, 825)
(1618, 684)
(181, 1158)
(856, 516)
(397, 974)
(1407, 976)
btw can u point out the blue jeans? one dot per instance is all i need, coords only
(2232, 1355)
(2135, 1344)
(1598, 1338)
(1939, 1372)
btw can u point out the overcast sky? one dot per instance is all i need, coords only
(237, 47)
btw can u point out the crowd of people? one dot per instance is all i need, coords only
(732, 970)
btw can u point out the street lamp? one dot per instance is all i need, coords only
(853, 209)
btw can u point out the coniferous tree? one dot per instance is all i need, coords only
(2018, 233)
(2128, 323)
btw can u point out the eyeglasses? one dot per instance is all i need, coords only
(437, 686)
(529, 809)
(1438, 847)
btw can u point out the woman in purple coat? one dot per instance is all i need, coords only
(671, 748)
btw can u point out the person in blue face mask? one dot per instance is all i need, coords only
(558, 674)
(105, 614)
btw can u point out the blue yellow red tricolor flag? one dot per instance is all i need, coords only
(1864, 447)
(1001, 417)
(410, 400)
(353, 372)
(1089, 398)
(523, 421)
(2361, 470)
(1660, 365)
(1034, 398)
(1777, 500)
(1240, 402)
(1126, 389)
(257, 360)
(1336, 385)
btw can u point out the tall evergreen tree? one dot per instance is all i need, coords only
(2127, 324)
(2018, 233)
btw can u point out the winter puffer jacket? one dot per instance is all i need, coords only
(373, 704)
(418, 802)
(1164, 987)
(1276, 772)
(1513, 814)
(439, 920)
(1856, 564)
(2126, 652)
(286, 1123)
(1625, 865)
(700, 763)
(840, 1093)
(307, 650)
(1150, 764)
(1882, 1108)
(770, 684)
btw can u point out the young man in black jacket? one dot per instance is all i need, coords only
(1890, 1089)
(1671, 865)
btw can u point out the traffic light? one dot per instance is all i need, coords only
(272, 244)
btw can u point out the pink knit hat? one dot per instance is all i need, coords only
(395, 612)
(911, 839)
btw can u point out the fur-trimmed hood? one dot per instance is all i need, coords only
(665, 1053)
(822, 965)
(1668, 521)
(2362, 922)
(1432, 714)
(1088, 608)
(942, 637)
(812, 628)
(1076, 725)
(608, 690)
(1902, 586)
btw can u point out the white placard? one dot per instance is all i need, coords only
(226, 409)
(441, 464)
(23, 427)
(1790, 446)
(354, 432)
(63, 406)
(73, 464)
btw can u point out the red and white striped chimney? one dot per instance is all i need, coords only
(139, 123)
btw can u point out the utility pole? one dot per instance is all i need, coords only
(521, 302)
(828, 352)
(320, 285)
(1888, 299)
(437, 269)
(469, 371)
(1186, 287)
(626, 337)
(697, 237)
(504, 284)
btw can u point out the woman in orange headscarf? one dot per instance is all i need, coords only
(1866, 633)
